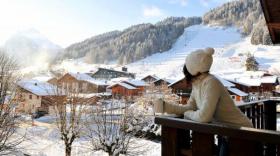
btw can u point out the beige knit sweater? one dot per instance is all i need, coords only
(209, 102)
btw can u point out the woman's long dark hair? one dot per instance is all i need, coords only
(188, 75)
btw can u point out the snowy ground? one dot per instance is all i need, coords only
(43, 140)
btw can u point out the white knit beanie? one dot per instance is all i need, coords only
(199, 61)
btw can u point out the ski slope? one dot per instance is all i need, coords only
(230, 53)
(169, 63)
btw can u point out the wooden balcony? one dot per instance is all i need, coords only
(185, 137)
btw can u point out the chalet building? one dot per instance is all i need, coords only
(182, 89)
(150, 78)
(123, 90)
(139, 84)
(33, 96)
(83, 82)
(161, 82)
(238, 96)
(269, 83)
(108, 74)
(259, 86)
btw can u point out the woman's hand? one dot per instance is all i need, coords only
(158, 105)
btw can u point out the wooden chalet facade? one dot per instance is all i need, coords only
(121, 89)
(83, 82)
(182, 89)
(108, 74)
(247, 88)
(33, 96)
(139, 84)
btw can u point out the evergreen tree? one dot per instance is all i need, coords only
(251, 63)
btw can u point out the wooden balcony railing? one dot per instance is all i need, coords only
(185, 137)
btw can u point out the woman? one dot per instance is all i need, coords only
(209, 100)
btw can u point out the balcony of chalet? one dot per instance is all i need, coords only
(185, 137)
(181, 137)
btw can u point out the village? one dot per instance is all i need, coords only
(113, 84)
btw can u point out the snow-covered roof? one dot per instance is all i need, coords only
(153, 76)
(225, 82)
(269, 79)
(42, 78)
(80, 76)
(247, 81)
(119, 79)
(237, 92)
(87, 78)
(38, 88)
(171, 84)
(135, 82)
(254, 81)
(90, 95)
(99, 82)
(127, 86)
(166, 80)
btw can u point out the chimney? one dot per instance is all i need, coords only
(35, 84)
(124, 69)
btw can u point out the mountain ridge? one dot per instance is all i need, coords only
(131, 44)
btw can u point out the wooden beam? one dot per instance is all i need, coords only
(236, 132)
(274, 25)
(265, 10)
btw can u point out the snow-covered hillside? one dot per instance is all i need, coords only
(230, 50)
(230, 54)
(169, 63)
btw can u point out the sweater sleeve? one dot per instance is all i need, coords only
(210, 97)
(179, 109)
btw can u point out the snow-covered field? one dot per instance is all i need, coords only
(43, 140)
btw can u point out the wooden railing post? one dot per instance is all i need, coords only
(202, 144)
(241, 147)
(270, 115)
(173, 140)
(253, 113)
(270, 123)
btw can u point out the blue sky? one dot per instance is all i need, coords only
(67, 21)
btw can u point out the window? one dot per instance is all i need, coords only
(38, 97)
(30, 96)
